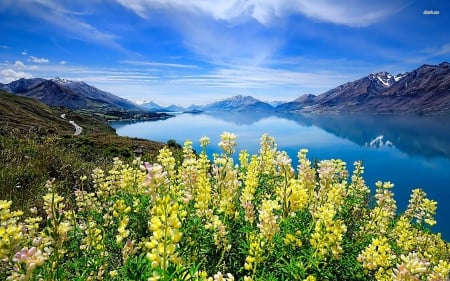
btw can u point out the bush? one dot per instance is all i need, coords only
(214, 219)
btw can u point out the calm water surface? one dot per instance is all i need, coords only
(410, 151)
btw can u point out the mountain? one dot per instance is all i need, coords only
(424, 90)
(27, 113)
(239, 103)
(174, 108)
(21, 85)
(152, 106)
(69, 94)
(30, 115)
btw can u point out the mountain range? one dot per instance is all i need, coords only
(68, 94)
(424, 90)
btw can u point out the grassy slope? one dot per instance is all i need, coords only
(36, 144)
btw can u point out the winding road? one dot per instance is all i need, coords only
(78, 128)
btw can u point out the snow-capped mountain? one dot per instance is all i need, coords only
(152, 106)
(423, 90)
(386, 79)
(239, 103)
(92, 92)
(66, 93)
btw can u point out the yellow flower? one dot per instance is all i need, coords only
(378, 254)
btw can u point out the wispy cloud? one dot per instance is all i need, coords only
(353, 13)
(67, 17)
(37, 60)
(158, 64)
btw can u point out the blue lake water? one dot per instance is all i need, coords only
(409, 151)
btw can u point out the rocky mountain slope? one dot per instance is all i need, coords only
(68, 94)
(424, 90)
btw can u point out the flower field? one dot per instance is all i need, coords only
(257, 218)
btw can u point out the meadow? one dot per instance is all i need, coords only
(191, 217)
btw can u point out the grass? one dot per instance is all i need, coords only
(36, 144)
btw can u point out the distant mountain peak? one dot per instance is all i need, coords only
(239, 103)
(385, 78)
(61, 80)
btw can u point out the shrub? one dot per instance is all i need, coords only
(214, 219)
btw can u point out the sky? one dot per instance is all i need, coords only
(200, 51)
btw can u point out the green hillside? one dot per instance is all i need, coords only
(36, 144)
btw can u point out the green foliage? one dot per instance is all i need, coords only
(202, 219)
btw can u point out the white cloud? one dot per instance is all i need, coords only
(19, 64)
(352, 13)
(24, 52)
(38, 60)
(158, 64)
(3, 47)
(63, 62)
(9, 75)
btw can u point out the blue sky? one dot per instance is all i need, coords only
(200, 51)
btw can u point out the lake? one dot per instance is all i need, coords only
(410, 151)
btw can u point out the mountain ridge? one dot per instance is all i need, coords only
(68, 94)
(424, 90)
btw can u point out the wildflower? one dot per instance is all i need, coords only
(328, 233)
(297, 196)
(268, 154)
(10, 229)
(32, 258)
(248, 193)
(384, 212)
(293, 240)
(93, 241)
(255, 253)
(113, 273)
(156, 175)
(165, 226)
(228, 143)
(411, 268)
(310, 278)
(204, 141)
(421, 208)
(267, 219)
(220, 233)
(167, 161)
(227, 184)
(128, 249)
(203, 191)
(306, 174)
(377, 255)
(220, 277)
(243, 158)
(122, 231)
(440, 272)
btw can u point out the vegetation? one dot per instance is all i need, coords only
(216, 219)
(36, 144)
